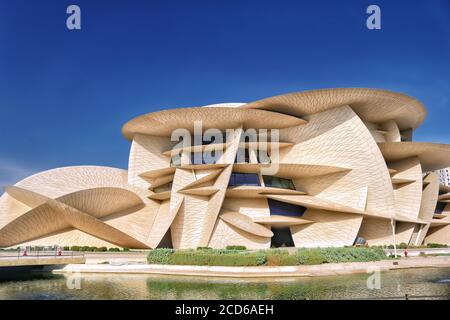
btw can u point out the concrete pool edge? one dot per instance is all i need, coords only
(259, 272)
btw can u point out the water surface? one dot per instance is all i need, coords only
(431, 282)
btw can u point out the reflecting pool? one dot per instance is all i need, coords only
(427, 283)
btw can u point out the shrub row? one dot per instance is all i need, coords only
(270, 257)
(404, 246)
(95, 249)
(207, 257)
(436, 245)
(236, 247)
(338, 255)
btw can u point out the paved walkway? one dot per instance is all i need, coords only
(102, 257)
(40, 261)
(261, 272)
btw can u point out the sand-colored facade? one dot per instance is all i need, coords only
(340, 166)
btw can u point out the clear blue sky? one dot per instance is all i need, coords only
(64, 95)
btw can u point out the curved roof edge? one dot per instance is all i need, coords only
(432, 156)
(373, 105)
(54, 170)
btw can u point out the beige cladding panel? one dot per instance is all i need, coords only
(54, 216)
(440, 234)
(163, 123)
(392, 132)
(328, 229)
(221, 183)
(407, 195)
(119, 207)
(70, 238)
(186, 227)
(61, 181)
(245, 223)
(94, 192)
(432, 156)
(176, 210)
(225, 234)
(429, 197)
(247, 206)
(339, 138)
(377, 134)
(376, 231)
(36, 223)
(403, 232)
(146, 155)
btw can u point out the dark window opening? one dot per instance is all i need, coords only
(282, 237)
(280, 208)
(175, 161)
(406, 135)
(166, 241)
(243, 179)
(440, 206)
(276, 182)
(359, 241)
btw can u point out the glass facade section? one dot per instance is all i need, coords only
(440, 207)
(244, 179)
(175, 161)
(280, 208)
(276, 182)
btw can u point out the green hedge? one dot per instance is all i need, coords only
(236, 247)
(278, 257)
(436, 245)
(351, 254)
(214, 258)
(94, 249)
(160, 256)
(310, 256)
(270, 257)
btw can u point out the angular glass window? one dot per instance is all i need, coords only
(440, 207)
(175, 161)
(243, 179)
(280, 208)
(276, 182)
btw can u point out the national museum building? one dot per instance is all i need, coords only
(324, 168)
